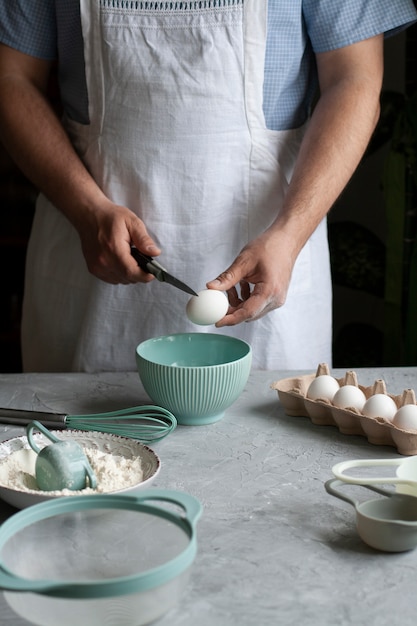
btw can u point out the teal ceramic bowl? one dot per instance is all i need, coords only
(196, 376)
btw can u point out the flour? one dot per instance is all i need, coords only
(113, 472)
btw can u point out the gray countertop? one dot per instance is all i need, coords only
(273, 547)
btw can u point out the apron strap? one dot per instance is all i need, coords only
(255, 33)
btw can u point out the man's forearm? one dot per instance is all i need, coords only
(36, 140)
(339, 132)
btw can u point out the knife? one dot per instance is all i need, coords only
(148, 264)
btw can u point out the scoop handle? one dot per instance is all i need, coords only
(38, 426)
(339, 469)
(331, 485)
(330, 488)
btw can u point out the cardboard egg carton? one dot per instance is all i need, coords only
(292, 393)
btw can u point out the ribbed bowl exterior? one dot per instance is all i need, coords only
(195, 395)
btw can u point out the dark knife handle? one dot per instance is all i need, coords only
(141, 259)
(148, 264)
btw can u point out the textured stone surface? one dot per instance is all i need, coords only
(274, 547)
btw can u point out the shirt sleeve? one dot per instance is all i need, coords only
(333, 24)
(29, 26)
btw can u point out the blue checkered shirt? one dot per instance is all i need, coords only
(297, 29)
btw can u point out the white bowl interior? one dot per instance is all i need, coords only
(21, 497)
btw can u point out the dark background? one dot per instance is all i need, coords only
(372, 233)
(373, 229)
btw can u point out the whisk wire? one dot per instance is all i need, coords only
(145, 423)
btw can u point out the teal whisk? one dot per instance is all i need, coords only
(145, 423)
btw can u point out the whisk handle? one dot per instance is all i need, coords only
(20, 417)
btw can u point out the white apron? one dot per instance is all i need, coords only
(178, 135)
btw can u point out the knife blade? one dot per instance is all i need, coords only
(148, 264)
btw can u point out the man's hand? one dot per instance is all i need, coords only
(339, 131)
(106, 237)
(37, 141)
(257, 281)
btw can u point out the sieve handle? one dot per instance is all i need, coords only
(21, 417)
(191, 506)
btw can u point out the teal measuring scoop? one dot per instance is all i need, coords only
(61, 465)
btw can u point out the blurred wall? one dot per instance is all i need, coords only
(359, 315)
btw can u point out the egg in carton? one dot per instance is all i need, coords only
(318, 401)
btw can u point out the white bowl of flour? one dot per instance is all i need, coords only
(122, 465)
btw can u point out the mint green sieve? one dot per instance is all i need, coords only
(77, 556)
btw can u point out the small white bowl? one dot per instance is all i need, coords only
(104, 442)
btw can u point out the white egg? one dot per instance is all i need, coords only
(322, 388)
(406, 417)
(380, 405)
(349, 396)
(208, 307)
